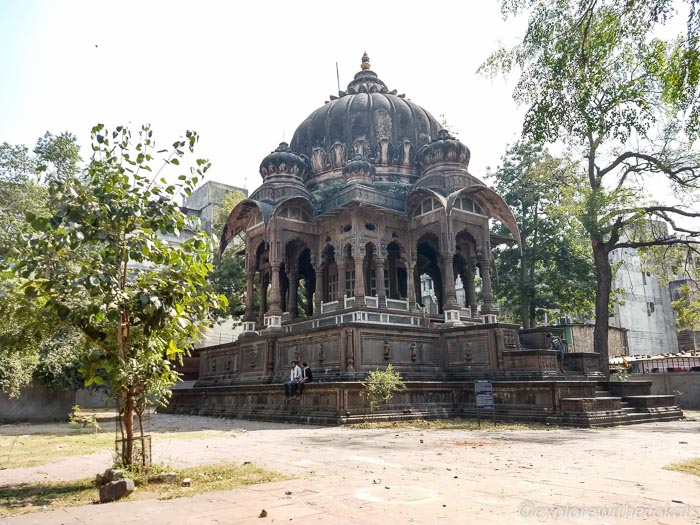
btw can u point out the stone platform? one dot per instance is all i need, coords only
(439, 364)
(561, 402)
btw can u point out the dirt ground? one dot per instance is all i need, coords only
(408, 475)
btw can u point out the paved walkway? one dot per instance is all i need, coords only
(412, 476)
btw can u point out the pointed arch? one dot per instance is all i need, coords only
(492, 203)
(240, 216)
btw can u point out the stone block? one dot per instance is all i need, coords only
(166, 477)
(116, 490)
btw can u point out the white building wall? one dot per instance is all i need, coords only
(646, 311)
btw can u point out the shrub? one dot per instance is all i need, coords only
(381, 385)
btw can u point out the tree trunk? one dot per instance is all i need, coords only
(128, 426)
(602, 303)
(524, 291)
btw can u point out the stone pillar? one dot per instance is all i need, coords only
(392, 266)
(249, 318)
(274, 314)
(470, 290)
(488, 309)
(293, 303)
(341, 283)
(449, 305)
(379, 276)
(450, 294)
(309, 297)
(359, 280)
(319, 290)
(263, 299)
(411, 285)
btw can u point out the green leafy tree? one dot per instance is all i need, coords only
(100, 263)
(679, 269)
(554, 270)
(228, 277)
(595, 73)
(34, 343)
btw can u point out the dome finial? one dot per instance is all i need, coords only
(365, 61)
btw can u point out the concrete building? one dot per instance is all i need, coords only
(204, 200)
(645, 310)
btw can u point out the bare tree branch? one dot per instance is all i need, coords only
(653, 163)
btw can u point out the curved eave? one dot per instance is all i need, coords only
(298, 199)
(493, 204)
(239, 217)
(416, 195)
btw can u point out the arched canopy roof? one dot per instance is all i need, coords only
(303, 202)
(492, 203)
(239, 217)
(417, 195)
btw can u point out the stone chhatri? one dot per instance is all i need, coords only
(371, 199)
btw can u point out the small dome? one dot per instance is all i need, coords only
(367, 119)
(358, 171)
(446, 149)
(283, 161)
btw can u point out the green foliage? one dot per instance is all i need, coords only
(228, 277)
(597, 75)
(99, 261)
(381, 386)
(34, 343)
(620, 375)
(77, 419)
(555, 269)
(687, 309)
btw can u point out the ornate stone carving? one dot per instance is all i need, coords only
(467, 352)
(338, 155)
(283, 161)
(321, 353)
(405, 154)
(414, 354)
(358, 171)
(445, 149)
(350, 350)
(383, 152)
(510, 339)
(387, 350)
(319, 160)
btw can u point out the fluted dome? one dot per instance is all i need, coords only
(283, 162)
(369, 120)
(445, 149)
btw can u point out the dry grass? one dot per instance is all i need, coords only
(31, 446)
(33, 497)
(688, 467)
(453, 424)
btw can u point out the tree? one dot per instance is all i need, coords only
(594, 73)
(228, 277)
(554, 270)
(34, 344)
(100, 263)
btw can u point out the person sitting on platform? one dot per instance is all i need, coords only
(290, 386)
(306, 377)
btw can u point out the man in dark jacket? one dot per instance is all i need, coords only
(307, 376)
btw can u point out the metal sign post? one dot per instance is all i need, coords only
(483, 391)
